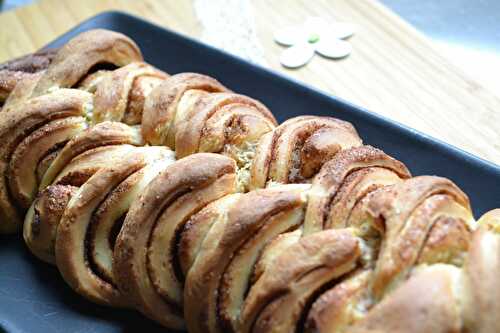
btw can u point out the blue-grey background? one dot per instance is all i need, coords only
(473, 23)
(467, 32)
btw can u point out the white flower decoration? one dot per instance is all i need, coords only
(315, 35)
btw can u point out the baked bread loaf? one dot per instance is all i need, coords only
(184, 200)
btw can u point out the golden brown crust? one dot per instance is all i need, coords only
(278, 299)
(72, 233)
(225, 123)
(237, 275)
(32, 62)
(74, 60)
(45, 163)
(15, 126)
(191, 128)
(14, 71)
(108, 218)
(42, 220)
(161, 105)
(162, 266)
(355, 187)
(490, 221)
(406, 213)
(427, 302)
(333, 174)
(299, 147)
(196, 230)
(21, 92)
(423, 220)
(335, 309)
(447, 241)
(273, 249)
(70, 247)
(132, 253)
(24, 161)
(482, 268)
(8, 81)
(85, 165)
(236, 225)
(120, 95)
(100, 135)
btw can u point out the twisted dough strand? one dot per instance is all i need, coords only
(333, 236)
(72, 230)
(161, 107)
(184, 188)
(75, 59)
(482, 300)
(15, 128)
(403, 222)
(22, 69)
(120, 95)
(296, 150)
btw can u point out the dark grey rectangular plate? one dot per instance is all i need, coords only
(34, 298)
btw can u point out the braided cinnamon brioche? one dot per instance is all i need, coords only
(257, 227)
